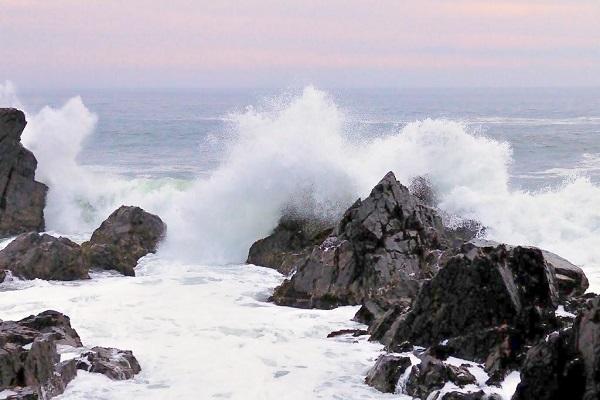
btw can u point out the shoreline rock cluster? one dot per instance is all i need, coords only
(41, 354)
(432, 295)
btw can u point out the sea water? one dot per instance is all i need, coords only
(221, 166)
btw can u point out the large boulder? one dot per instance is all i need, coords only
(22, 199)
(289, 244)
(432, 374)
(485, 303)
(385, 246)
(30, 361)
(32, 256)
(128, 234)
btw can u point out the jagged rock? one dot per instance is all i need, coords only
(484, 301)
(384, 375)
(421, 188)
(114, 363)
(32, 256)
(22, 199)
(289, 244)
(31, 367)
(29, 361)
(432, 374)
(128, 234)
(384, 247)
(479, 395)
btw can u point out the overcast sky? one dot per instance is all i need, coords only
(268, 43)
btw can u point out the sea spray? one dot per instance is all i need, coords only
(297, 155)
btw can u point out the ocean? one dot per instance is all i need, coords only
(221, 166)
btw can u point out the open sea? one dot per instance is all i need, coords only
(221, 166)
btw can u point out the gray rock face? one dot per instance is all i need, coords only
(386, 372)
(290, 243)
(114, 363)
(384, 246)
(32, 256)
(22, 199)
(571, 279)
(30, 365)
(484, 301)
(128, 234)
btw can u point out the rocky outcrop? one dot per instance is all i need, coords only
(30, 361)
(290, 243)
(32, 256)
(114, 363)
(22, 199)
(486, 304)
(386, 372)
(385, 246)
(128, 234)
(570, 279)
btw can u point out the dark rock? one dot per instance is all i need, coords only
(29, 361)
(114, 363)
(22, 199)
(386, 372)
(290, 243)
(353, 332)
(484, 299)
(479, 395)
(432, 374)
(570, 278)
(384, 247)
(32, 256)
(128, 234)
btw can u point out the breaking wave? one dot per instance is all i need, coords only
(296, 156)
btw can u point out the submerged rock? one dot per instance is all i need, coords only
(386, 372)
(35, 256)
(22, 198)
(432, 374)
(128, 234)
(30, 363)
(385, 246)
(114, 363)
(289, 244)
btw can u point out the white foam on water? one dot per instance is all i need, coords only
(203, 332)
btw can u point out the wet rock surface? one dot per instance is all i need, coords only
(113, 363)
(22, 198)
(30, 362)
(386, 372)
(41, 256)
(432, 374)
(128, 234)
(290, 243)
(384, 246)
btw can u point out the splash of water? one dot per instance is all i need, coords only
(296, 155)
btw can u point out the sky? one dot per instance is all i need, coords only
(329, 43)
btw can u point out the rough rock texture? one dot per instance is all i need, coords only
(567, 364)
(32, 256)
(22, 199)
(385, 246)
(28, 356)
(384, 375)
(114, 363)
(432, 374)
(290, 243)
(486, 301)
(31, 366)
(128, 234)
(570, 279)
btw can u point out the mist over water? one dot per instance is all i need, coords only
(298, 153)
